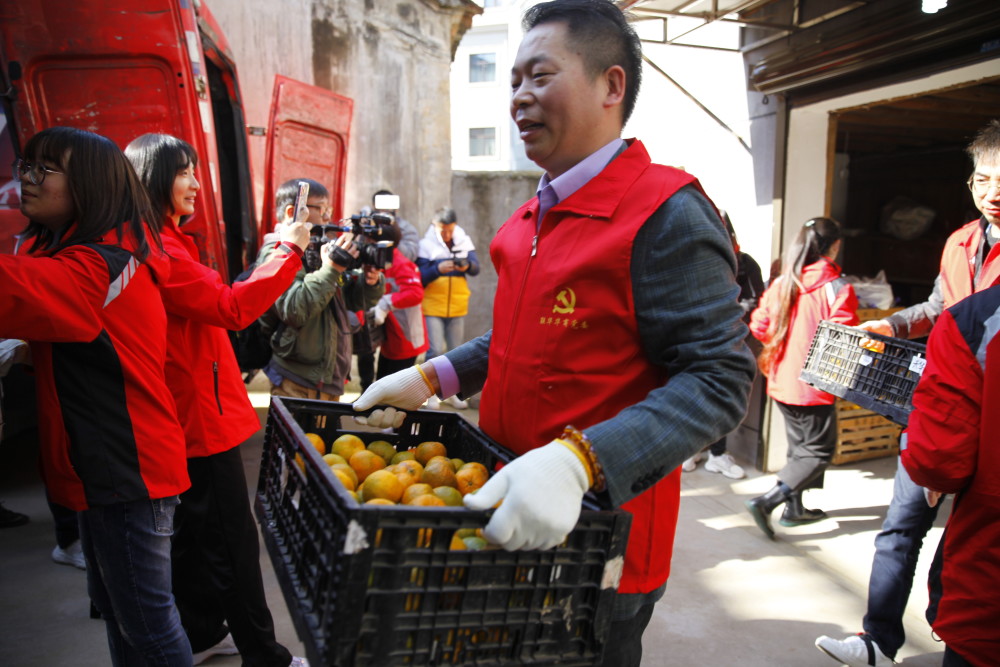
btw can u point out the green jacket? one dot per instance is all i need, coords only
(318, 314)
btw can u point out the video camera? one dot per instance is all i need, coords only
(375, 235)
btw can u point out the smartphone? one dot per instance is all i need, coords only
(301, 211)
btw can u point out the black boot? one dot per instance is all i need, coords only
(797, 515)
(762, 506)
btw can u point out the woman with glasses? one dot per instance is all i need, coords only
(217, 581)
(84, 292)
(808, 290)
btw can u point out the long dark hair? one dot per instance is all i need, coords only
(813, 241)
(106, 192)
(157, 158)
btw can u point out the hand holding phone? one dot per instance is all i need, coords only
(301, 210)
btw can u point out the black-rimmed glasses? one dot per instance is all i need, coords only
(34, 171)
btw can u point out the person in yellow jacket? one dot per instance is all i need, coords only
(445, 258)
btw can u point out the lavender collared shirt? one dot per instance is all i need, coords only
(549, 193)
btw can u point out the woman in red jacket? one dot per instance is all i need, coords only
(808, 290)
(217, 579)
(83, 291)
(400, 309)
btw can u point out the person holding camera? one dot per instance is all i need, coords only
(446, 257)
(315, 317)
(405, 334)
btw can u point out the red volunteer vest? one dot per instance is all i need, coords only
(958, 265)
(566, 346)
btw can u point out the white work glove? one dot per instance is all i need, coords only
(541, 493)
(405, 389)
(13, 351)
(381, 310)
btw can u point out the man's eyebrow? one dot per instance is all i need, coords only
(531, 62)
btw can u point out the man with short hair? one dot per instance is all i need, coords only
(617, 337)
(970, 263)
(312, 322)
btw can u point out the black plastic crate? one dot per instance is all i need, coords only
(379, 585)
(882, 382)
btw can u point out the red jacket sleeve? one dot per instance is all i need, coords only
(53, 299)
(942, 438)
(845, 307)
(197, 292)
(410, 290)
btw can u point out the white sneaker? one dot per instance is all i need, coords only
(855, 651)
(298, 662)
(71, 555)
(691, 463)
(226, 647)
(725, 464)
(433, 403)
(456, 402)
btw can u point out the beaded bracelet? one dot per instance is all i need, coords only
(582, 443)
(583, 459)
(426, 379)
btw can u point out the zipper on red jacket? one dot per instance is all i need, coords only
(215, 379)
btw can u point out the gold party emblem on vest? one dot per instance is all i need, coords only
(565, 302)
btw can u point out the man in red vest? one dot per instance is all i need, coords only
(970, 263)
(617, 336)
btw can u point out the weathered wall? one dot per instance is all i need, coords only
(392, 57)
(483, 200)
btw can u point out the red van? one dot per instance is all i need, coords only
(122, 68)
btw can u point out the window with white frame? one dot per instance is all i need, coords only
(482, 141)
(482, 68)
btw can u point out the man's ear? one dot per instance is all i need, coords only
(614, 76)
(289, 213)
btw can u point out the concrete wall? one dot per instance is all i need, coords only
(483, 200)
(392, 57)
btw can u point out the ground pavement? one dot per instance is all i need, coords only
(734, 598)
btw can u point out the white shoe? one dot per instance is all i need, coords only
(691, 463)
(725, 464)
(71, 555)
(433, 403)
(226, 647)
(855, 651)
(298, 662)
(456, 402)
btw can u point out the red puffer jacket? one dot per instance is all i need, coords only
(816, 302)
(952, 445)
(97, 328)
(201, 370)
(405, 331)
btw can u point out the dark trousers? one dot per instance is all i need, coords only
(624, 648)
(952, 659)
(216, 563)
(387, 366)
(67, 524)
(812, 437)
(366, 370)
(897, 547)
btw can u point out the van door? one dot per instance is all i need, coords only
(308, 137)
(119, 68)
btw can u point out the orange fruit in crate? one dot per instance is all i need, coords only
(382, 484)
(469, 479)
(408, 455)
(457, 464)
(344, 479)
(457, 544)
(383, 449)
(427, 500)
(332, 458)
(317, 442)
(379, 501)
(415, 491)
(365, 463)
(346, 445)
(478, 466)
(411, 468)
(450, 495)
(347, 470)
(438, 472)
(428, 450)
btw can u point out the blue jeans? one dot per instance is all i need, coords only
(444, 334)
(127, 547)
(897, 547)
